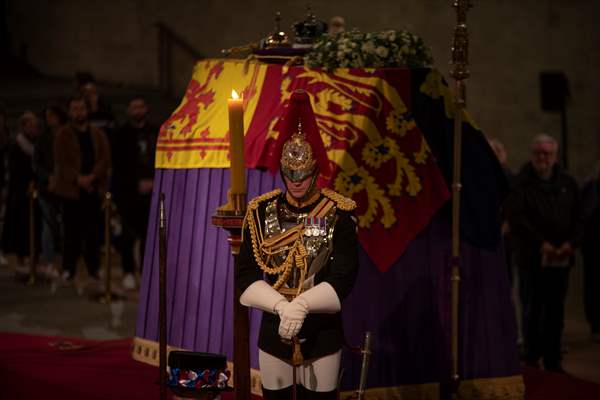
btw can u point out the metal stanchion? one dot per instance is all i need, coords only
(32, 193)
(108, 295)
(107, 267)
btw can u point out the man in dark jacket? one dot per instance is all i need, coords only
(547, 225)
(133, 148)
(82, 161)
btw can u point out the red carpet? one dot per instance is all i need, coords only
(42, 367)
(542, 385)
(45, 367)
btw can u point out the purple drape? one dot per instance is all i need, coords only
(407, 308)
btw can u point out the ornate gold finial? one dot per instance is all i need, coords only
(460, 43)
(297, 160)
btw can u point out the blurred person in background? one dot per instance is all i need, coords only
(16, 235)
(501, 154)
(100, 114)
(133, 148)
(591, 252)
(546, 221)
(4, 136)
(43, 166)
(81, 165)
(337, 25)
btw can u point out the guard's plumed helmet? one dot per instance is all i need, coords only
(302, 151)
(297, 160)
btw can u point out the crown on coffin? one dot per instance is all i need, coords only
(310, 29)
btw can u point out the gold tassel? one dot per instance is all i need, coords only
(297, 358)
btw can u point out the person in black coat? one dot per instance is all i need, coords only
(133, 148)
(15, 237)
(591, 253)
(43, 166)
(4, 135)
(547, 226)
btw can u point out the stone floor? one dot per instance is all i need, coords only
(47, 309)
(68, 311)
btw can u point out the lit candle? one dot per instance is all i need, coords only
(236, 143)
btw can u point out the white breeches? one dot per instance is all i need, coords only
(321, 375)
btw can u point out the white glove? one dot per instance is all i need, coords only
(262, 296)
(292, 317)
(320, 299)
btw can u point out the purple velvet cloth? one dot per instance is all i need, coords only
(406, 308)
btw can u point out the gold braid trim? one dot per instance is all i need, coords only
(297, 253)
(253, 204)
(342, 202)
(497, 388)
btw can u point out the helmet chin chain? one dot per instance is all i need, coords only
(309, 191)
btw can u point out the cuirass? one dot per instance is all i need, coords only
(317, 237)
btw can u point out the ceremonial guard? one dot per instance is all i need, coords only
(297, 262)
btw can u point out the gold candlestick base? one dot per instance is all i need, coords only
(236, 205)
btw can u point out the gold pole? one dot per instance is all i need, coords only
(32, 192)
(460, 72)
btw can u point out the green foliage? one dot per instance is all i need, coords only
(355, 49)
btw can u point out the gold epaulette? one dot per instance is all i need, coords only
(253, 204)
(342, 202)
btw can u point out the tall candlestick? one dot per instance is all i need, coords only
(236, 144)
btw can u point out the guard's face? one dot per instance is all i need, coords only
(298, 189)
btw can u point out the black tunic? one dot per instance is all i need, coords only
(323, 332)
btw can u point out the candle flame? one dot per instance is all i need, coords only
(234, 95)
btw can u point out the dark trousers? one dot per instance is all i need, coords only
(302, 394)
(134, 220)
(543, 293)
(591, 287)
(125, 244)
(82, 225)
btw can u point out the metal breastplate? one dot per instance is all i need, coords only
(318, 235)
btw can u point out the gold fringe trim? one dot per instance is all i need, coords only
(426, 391)
(501, 388)
(147, 351)
(253, 204)
(504, 388)
(342, 202)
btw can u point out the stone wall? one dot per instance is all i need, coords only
(511, 42)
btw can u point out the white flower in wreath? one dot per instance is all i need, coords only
(368, 47)
(382, 52)
(340, 55)
(391, 36)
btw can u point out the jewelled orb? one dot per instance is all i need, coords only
(297, 161)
